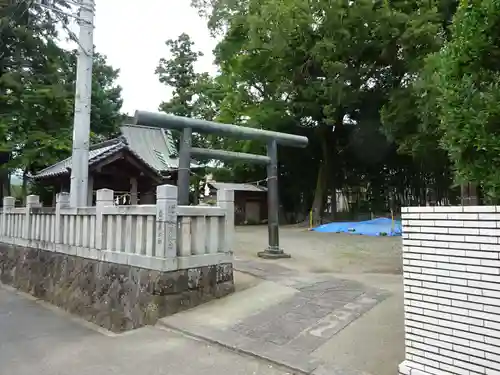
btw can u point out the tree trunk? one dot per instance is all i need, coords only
(333, 204)
(7, 182)
(4, 185)
(24, 189)
(469, 194)
(318, 205)
(196, 197)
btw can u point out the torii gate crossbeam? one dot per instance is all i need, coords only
(272, 139)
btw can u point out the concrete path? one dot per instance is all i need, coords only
(335, 308)
(373, 342)
(37, 340)
(288, 319)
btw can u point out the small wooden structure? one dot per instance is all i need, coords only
(250, 201)
(132, 165)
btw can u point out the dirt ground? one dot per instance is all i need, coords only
(325, 252)
(372, 344)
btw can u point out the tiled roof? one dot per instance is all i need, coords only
(95, 155)
(237, 187)
(154, 146)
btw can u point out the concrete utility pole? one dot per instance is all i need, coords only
(81, 122)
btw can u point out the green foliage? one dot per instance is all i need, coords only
(105, 116)
(178, 73)
(190, 89)
(466, 77)
(333, 71)
(354, 77)
(37, 80)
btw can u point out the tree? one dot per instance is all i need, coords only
(28, 56)
(191, 95)
(178, 73)
(324, 69)
(190, 89)
(105, 115)
(466, 81)
(37, 90)
(409, 118)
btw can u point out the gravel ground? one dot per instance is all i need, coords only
(325, 252)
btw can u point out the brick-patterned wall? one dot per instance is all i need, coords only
(451, 268)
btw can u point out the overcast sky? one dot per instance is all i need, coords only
(132, 35)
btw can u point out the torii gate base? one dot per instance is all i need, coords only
(270, 254)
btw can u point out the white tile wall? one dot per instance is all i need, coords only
(451, 267)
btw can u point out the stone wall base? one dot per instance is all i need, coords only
(114, 296)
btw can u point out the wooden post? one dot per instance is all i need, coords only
(166, 221)
(105, 197)
(62, 201)
(32, 201)
(8, 204)
(225, 199)
(133, 191)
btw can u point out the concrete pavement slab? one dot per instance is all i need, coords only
(41, 341)
(374, 343)
(297, 314)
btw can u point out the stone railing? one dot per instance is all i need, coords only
(120, 267)
(451, 266)
(162, 237)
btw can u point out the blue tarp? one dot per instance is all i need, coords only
(375, 227)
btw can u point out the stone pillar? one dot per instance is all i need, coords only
(62, 201)
(8, 204)
(105, 197)
(133, 191)
(225, 199)
(166, 221)
(32, 201)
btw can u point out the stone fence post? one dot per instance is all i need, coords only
(32, 201)
(8, 204)
(225, 199)
(105, 197)
(62, 201)
(166, 221)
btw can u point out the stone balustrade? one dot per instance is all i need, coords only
(84, 259)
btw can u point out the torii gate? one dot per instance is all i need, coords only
(188, 125)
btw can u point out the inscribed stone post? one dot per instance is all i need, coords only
(225, 199)
(166, 221)
(62, 201)
(105, 197)
(32, 201)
